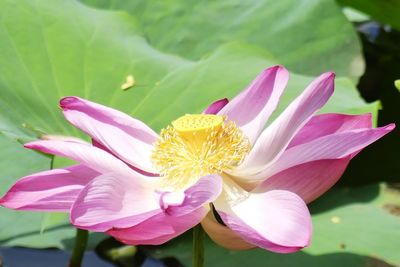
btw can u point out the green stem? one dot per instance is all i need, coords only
(78, 252)
(198, 246)
(52, 162)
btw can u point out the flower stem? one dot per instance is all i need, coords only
(198, 246)
(81, 239)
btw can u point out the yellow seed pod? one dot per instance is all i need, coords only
(197, 127)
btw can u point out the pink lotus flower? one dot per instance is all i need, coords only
(145, 188)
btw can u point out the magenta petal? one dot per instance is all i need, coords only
(53, 190)
(330, 123)
(93, 157)
(276, 220)
(253, 106)
(309, 180)
(128, 138)
(274, 139)
(159, 228)
(215, 107)
(334, 146)
(206, 190)
(180, 212)
(114, 200)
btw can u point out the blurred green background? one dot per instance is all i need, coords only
(184, 55)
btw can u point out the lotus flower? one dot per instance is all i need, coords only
(145, 188)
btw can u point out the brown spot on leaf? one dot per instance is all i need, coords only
(374, 262)
(392, 209)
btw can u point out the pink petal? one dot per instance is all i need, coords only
(252, 107)
(128, 138)
(222, 235)
(273, 141)
(114, 200)
(111, 202)
(215, 107)
(275, 220)
(334, 146)
(62, 138)
(52, 190)
(98, 145)
(309, 180)
(326, 124)
(180, 212)
(206, 190)
(93, 157)
(159, 228)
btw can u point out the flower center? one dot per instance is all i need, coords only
(198, 145)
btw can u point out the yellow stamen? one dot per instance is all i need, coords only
(198, 145)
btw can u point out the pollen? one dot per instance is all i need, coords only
(196, 145)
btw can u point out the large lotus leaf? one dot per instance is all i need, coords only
(51, 49)
(57, 48)
(362, 231)
(363, 221)
(307, 36)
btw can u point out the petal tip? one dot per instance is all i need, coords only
(328, 78)
(390, 127)
(67, 101)
(6, 201)
(37, 145)
(275, 68)
(277, 71)
(2, 201)
(216, 106)
(330, 75)
(280, 68)
(30, 145)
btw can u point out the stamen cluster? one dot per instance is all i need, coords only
(183, 158)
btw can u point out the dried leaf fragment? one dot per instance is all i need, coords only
(130, 82)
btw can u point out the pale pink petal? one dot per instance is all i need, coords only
(159, 228)
(128, 138)
(251, 108)
(168, 200)
(52, 190)
(309, 180)
(114, 200)
(102, 162)
(206, 190)
(180, 211)
(215, 107)
(222, 235)
(274, 139)
(62, 138)
(334, 146)
(111, 203)
(275, 220)
(98, 145)
(93, 157)
(330, 123)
